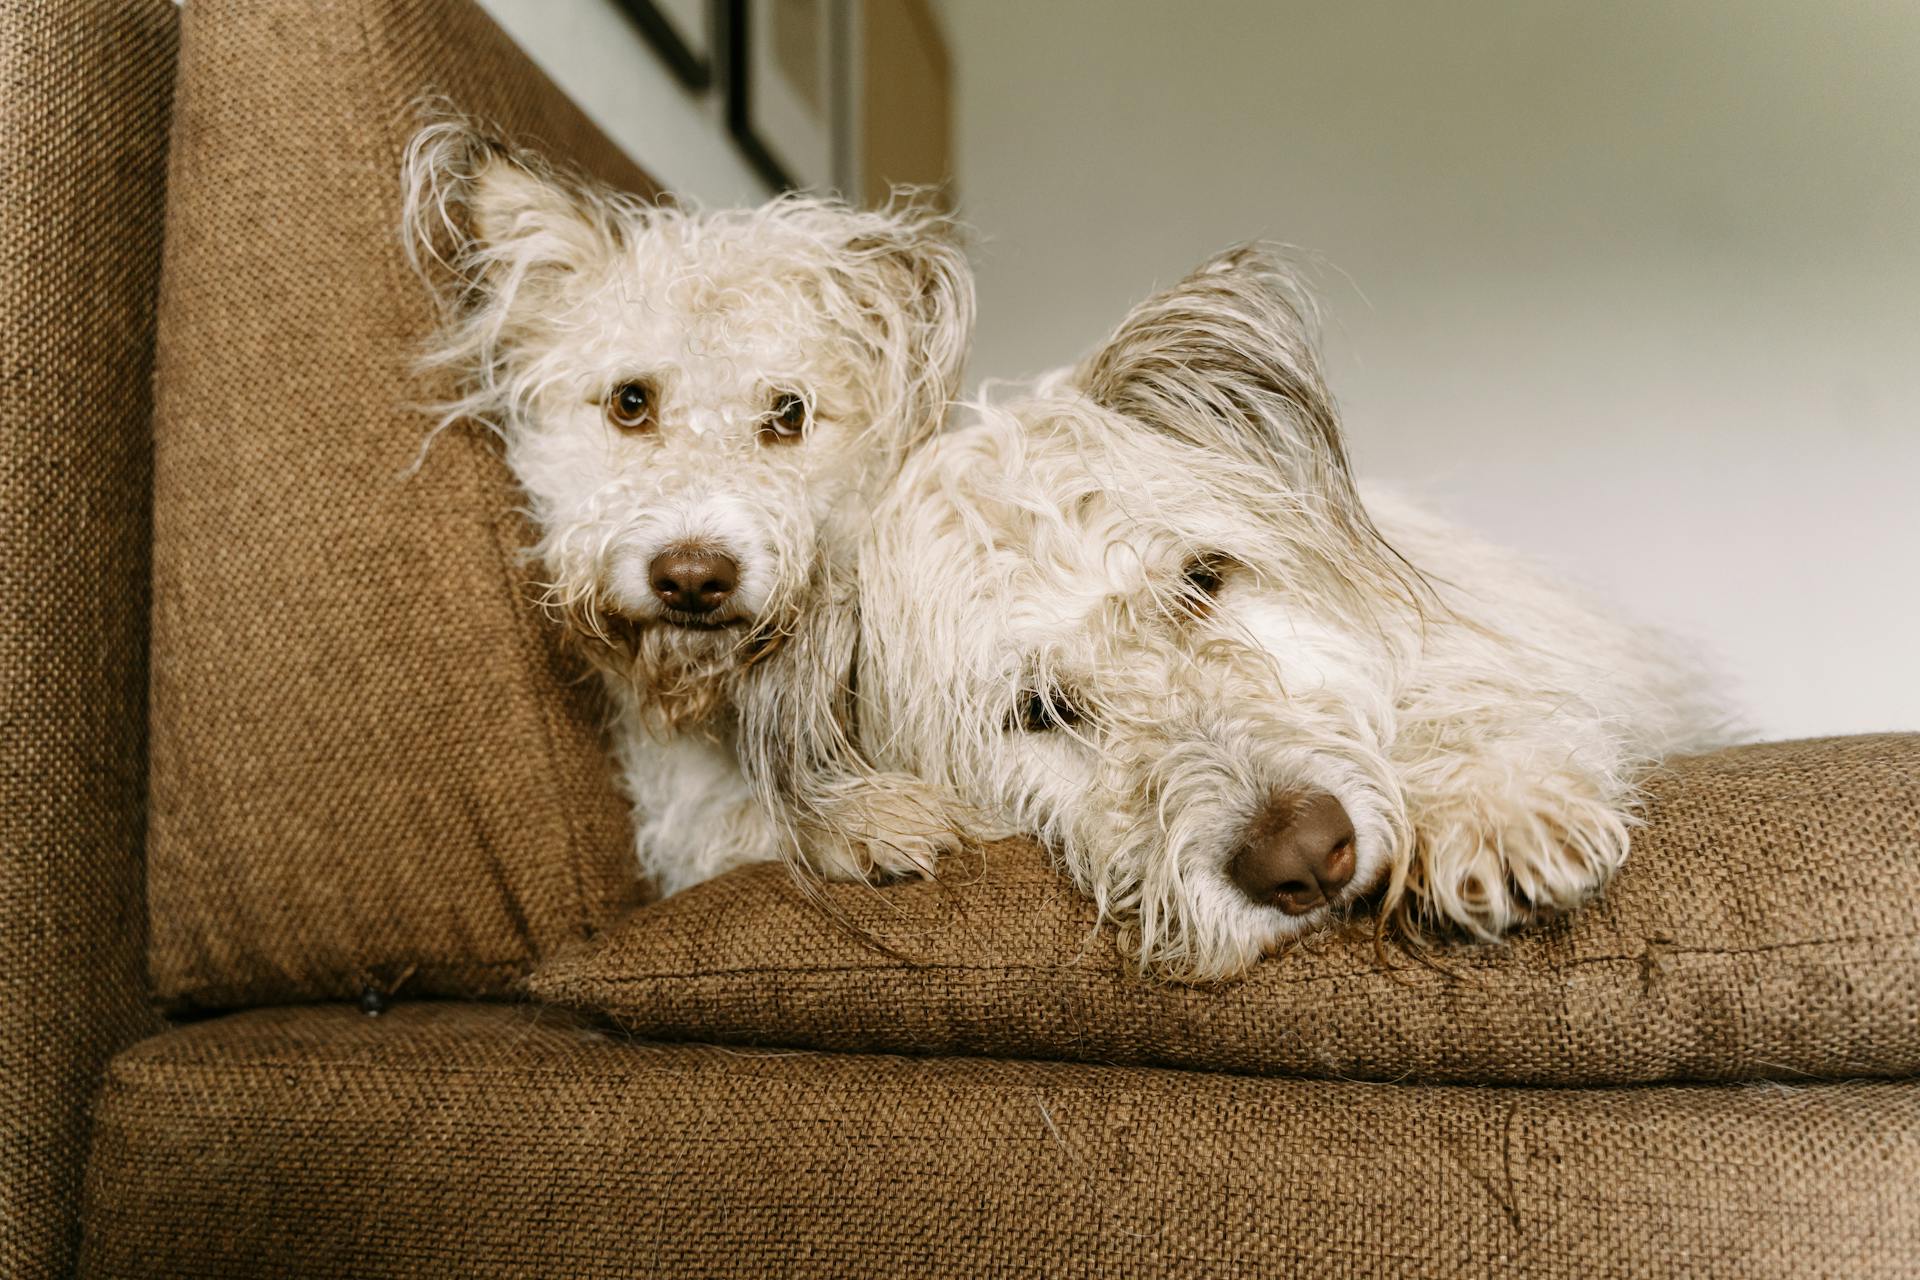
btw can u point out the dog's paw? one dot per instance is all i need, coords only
(879, 859)
(889, 828)
(908, 856)
(1486, 873)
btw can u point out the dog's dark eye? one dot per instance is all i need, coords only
(1042, 709)
(1202, 577)
(789, 419)
(630, 406)
(1206, 574)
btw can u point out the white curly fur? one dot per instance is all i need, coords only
(1483, 726)
(554, 293)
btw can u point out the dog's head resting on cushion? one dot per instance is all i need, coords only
(699, 405)
(1145, 617)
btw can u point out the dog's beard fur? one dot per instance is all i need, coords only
(684, 676)
(686, 679)
(557, 293)
(1165, 548)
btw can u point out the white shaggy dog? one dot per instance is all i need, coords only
(699, 407)
(1144, 617)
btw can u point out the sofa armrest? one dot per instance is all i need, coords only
(85, 95)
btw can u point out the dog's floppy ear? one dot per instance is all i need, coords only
(1226, 361)
(910, 292)
(493, 235)
(486, 219)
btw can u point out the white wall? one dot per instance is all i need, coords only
(605, 64)
(1641, 279)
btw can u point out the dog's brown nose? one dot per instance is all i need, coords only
(1299, 855)
(693, 579)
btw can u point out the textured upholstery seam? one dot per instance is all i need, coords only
(124, 1071)
(748, 971)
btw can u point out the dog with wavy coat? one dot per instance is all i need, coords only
(1145, 616)
(701, 408)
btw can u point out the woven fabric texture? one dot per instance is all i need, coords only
(373, 763)
(1767, 926)
(466, 1140)
(84, 90)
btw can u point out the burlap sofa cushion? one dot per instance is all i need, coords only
(1767, 926)
(462, 1140)
(84, 90)
(371, 761)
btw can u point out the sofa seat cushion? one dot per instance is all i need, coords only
(372, 761)
(1767, 925)
(471, 1140)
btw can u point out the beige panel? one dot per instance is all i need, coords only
(907, 100)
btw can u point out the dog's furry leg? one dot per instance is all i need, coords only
(798, 742)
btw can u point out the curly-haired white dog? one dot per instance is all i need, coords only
(700, 407)
(1145, 617)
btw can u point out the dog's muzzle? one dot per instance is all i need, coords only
(1298, 854)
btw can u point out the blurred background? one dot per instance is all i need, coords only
(1634, 287)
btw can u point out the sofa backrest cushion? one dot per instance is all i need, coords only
(373, 764)
(1766, 926)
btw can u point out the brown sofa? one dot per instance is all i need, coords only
(298, 789)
